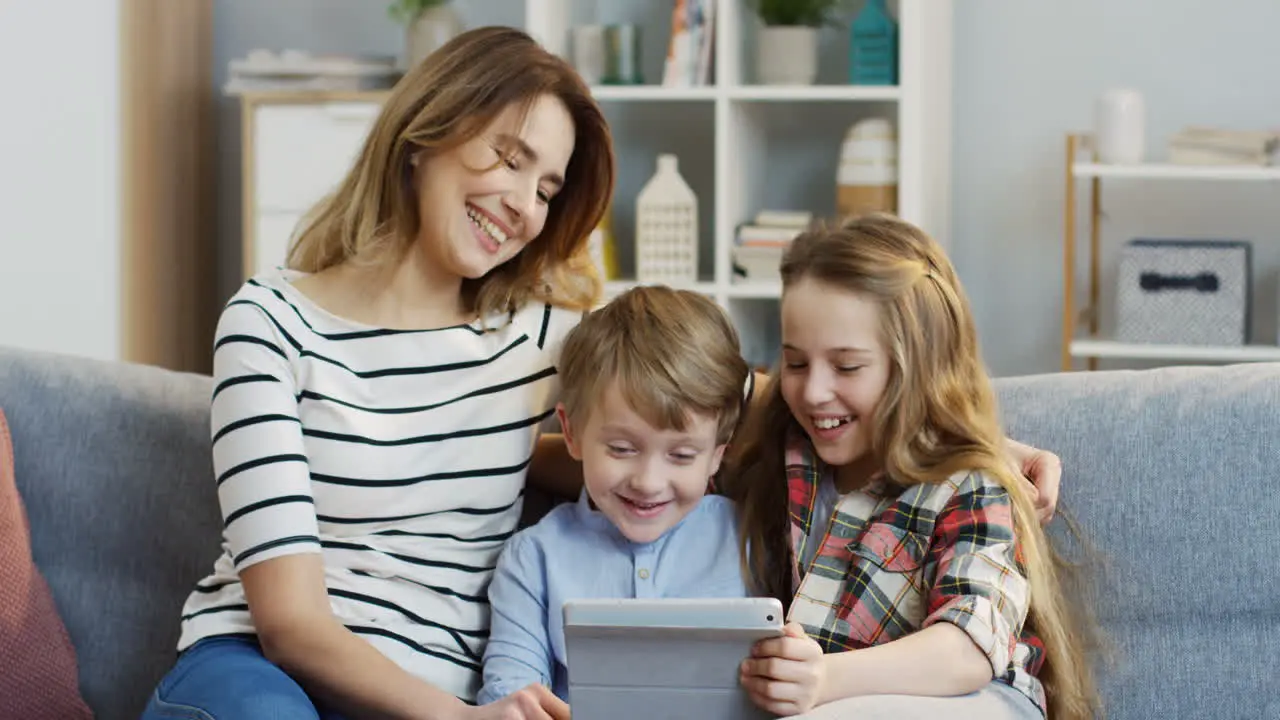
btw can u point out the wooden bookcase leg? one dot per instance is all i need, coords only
(1095, 261)
(1069, 257)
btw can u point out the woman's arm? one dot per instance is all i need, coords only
(264, 491)
(298, 632)
(1043, 471)
(553, 470)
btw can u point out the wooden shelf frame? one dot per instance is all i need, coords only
(1089, 346)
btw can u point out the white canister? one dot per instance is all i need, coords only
(1119, 127)
(867, 177)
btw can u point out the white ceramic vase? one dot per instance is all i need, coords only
(667, 227)
(787, 55)
(433, 27)
(1119, 127)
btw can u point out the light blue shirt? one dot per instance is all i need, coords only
(576, 553)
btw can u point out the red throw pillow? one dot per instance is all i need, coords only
(38, 674)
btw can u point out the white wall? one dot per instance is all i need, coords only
(60, 176)
(1026, 73)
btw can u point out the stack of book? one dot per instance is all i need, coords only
(300, 71)
(1215, 146)
(758, 249)
(688, 61)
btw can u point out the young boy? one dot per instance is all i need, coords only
(652, 387)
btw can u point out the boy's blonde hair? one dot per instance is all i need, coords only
(671, 353)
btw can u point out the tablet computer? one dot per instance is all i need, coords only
(638, 659)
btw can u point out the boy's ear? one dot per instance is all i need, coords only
(570, 440)
(716, 458)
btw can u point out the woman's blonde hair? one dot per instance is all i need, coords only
(445, 101)
(937, 417)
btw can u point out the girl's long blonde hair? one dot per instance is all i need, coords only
(937, 417)
(443, 102)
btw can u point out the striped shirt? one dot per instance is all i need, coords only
(398, 455)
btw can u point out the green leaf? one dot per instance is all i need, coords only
(811, 13)
(406, 11)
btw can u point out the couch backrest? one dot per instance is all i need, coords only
(1172, 475)
(113, 465)
(1168, 471)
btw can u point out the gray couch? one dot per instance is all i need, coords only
(1171, 473)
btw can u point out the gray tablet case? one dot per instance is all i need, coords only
(639, 671)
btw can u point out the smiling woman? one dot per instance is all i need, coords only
(377, 404)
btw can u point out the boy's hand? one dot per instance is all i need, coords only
(533, 702)
(785, 675)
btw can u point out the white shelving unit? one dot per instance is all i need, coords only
(1087, 348)
(1164, 171)
(745, 147)
(742, 147)
(1085, 343)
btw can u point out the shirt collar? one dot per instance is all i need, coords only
(805, 471)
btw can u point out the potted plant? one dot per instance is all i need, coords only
(428, 25)
(787, 52)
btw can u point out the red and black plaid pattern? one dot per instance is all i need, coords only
(895, 560)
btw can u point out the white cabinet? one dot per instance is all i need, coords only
(297, 149)
(273, 231)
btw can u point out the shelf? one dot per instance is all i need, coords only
(749, 93)
(755, 290)
(616, 287)
(1164, 171)
(801, 93)
(652, 93)
(1093, 348)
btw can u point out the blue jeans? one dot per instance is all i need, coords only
(228, 678)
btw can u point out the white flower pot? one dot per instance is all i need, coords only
(434, 27)
(787, 55)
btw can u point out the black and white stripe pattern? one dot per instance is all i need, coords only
(398, 455)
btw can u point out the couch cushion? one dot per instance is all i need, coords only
(1171, 474)
(114, 467)
(38, 677)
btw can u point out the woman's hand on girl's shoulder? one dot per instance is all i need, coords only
(1043, 471)
(533, 702)
(785, 675)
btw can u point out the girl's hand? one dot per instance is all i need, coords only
(785, 675)
(534, 702)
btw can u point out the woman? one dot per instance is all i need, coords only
(377, 405)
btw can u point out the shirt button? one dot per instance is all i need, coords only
(643, 573)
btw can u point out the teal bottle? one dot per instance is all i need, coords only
(873, 46)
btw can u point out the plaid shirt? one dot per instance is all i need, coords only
(896, 560)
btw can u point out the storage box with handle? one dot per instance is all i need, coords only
(1185, 292)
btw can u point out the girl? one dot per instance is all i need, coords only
(877, 502)
(377, 404)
